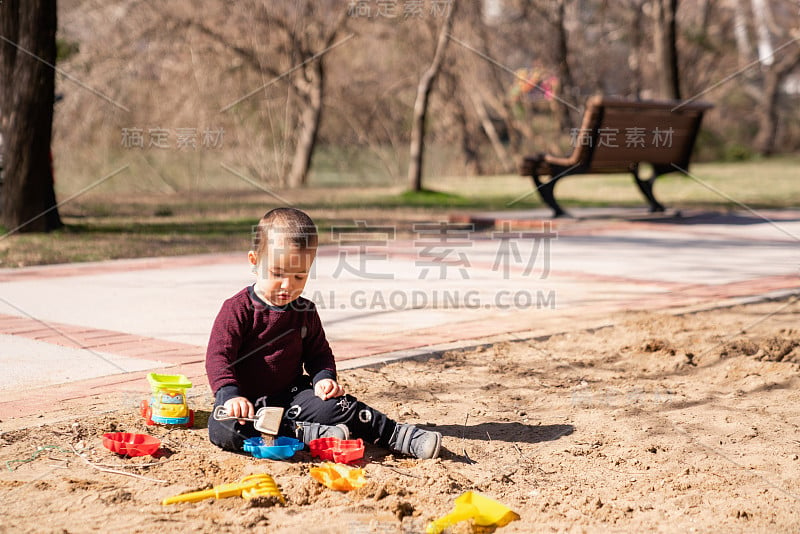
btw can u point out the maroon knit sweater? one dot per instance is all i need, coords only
(257, 349)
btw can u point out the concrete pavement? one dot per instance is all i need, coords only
(83, 334)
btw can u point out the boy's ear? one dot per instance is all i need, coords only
(252, 258)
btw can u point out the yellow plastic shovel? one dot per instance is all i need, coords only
(484, 511)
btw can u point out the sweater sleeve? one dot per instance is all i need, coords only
(223, 347)
(317, 354)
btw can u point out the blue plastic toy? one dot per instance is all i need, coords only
(282, 448)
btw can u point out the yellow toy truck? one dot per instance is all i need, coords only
(167, 405)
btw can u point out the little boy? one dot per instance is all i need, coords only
(266, 335)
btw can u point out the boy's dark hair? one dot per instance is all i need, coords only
(295, 226)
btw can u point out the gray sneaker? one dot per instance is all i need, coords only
(307, 432)
(413, 441)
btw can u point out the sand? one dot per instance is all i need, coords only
(659, 423)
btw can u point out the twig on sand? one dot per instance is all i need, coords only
(115, 471)
(166, 441)
(463, 448)
(525, 456)
(133, 466)
(400, 472)
(531, 461)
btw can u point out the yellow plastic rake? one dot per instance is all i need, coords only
(249, 487)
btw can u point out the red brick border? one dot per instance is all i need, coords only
(79, 337)
(189, 359)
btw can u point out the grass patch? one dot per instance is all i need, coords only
(449, 200)
(163, 211)
(427, 198)
(101, 240)
(110, 225)
(65, 49)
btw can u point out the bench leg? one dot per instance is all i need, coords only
(646, 187)
(545, 190)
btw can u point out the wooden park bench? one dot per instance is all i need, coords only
(617, 136)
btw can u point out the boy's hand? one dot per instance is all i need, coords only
(240, 407)
(327, 389)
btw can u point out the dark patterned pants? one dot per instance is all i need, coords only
(300, 404)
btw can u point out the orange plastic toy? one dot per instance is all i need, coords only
(339, 477)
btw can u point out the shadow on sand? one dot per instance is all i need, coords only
(510, 432)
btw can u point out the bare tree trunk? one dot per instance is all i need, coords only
(26, 105)
(470, 147)
(762, 16)
(666, 51)
(743, 45)
(496, 94)
(309, 127)
(421, 104)
(307, 49)
(637, 38)
(774, 70)
(566, 82)
(768, 113)
(491, 132)
(311, 117)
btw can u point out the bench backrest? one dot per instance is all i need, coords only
(616, 134)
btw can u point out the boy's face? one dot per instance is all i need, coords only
(283, 270)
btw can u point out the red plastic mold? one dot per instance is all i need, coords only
(337, 450)
(129, 444)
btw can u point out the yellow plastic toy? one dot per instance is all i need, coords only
(338, 476)
(167, 405)
(484, 511)
(250, 487)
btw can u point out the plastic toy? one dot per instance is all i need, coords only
(129, 444)
(268, 419)
(338, 477)
(337, 450)
(167, 404)
(484, 512)
(250, 487)
(281, 448)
